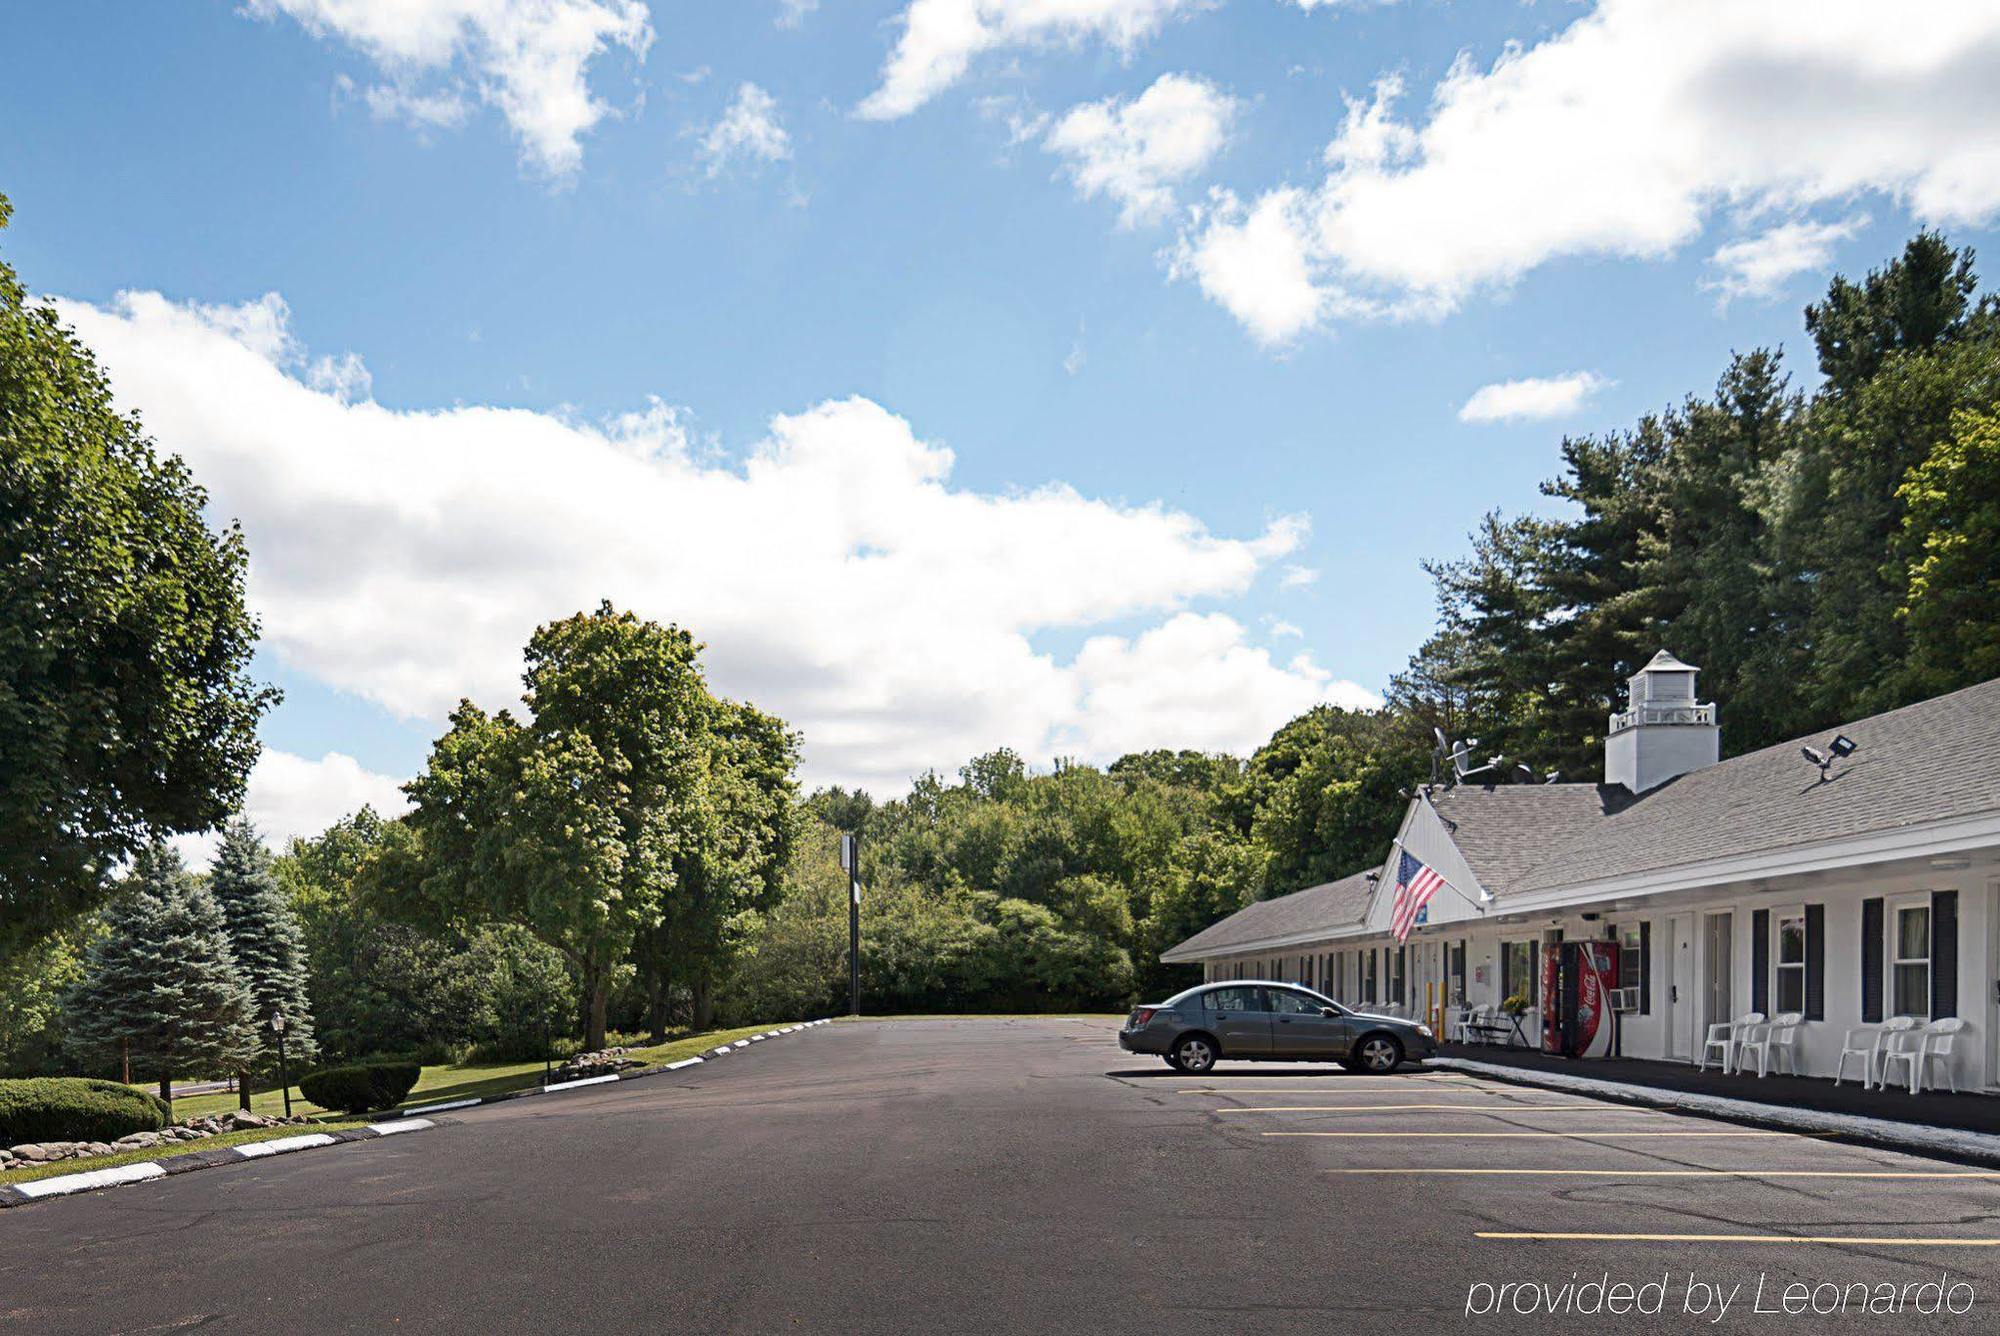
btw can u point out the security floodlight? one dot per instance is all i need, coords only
(1814, 755)
(1524, 773)
(1553, 777)
(1842, 745)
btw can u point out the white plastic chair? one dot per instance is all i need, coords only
(1772, 1041)
(1935, 1046)
(1893, 1045)
(1860, 1042)
(1726, 1036)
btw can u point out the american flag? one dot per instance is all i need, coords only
(1416, 883)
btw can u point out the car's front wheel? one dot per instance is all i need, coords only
(1193, 1054)
(1376, 1053)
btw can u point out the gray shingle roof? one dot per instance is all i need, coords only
(1506, 830)
(1330, 905)
(1931, 761)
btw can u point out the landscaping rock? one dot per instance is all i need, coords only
(238, 1120)
(32, 1151)
(97, 1148)
(138, 1141)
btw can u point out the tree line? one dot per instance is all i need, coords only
(629, 852)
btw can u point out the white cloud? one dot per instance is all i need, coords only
(529, 58)
(837, 574)
(292, 795)
(749, 128)
(940, 38)
(1620, 136)
(1197, 672)
(1299, 577)
(1280, 627)
(1759, 266)
(1531, 398)
(1137, 151)
(792, 13)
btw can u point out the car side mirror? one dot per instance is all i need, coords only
(1329, 1011)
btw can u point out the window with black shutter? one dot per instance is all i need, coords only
(1760, 961)
(1815, 962)
(1944, 954)
(1871, 960)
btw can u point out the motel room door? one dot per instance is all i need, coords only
(1719, 930)
(1681, 995)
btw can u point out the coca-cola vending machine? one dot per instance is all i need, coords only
(1577, 979)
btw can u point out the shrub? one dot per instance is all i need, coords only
(361, 1087)
(67, 1108)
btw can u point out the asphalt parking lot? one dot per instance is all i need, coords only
(1020, 1176)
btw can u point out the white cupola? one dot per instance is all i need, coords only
(1663, 732)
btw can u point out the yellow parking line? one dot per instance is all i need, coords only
(1870, 1241)
(1441, 1108)
(1518, 1135)
(1684, 1173)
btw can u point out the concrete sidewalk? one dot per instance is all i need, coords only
(1933, 1108)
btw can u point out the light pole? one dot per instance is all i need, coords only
(284, 1071)
(850, 858)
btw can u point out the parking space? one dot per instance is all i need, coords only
(1525, 1166)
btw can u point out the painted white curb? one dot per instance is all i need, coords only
(584, 1081)
(684, 1062)
(437, 1108)
(390, 1129)
(1913, 1136)
(251, 1150)
(96, 1178)
(720, 1050)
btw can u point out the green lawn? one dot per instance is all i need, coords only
(166, 1151)
(451, 1081)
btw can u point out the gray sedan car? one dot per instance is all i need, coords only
(1279, 1022)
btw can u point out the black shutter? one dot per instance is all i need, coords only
(1815, 962)
(1534, 985)
(1760, 961)
(1644, 983)
(1402, 975)
(1871, 960)
(1944, 954)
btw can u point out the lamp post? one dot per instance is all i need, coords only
(284, 1072)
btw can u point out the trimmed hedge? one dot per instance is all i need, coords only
(361, 1087)
(73, 1108)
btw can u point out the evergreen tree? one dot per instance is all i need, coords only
(162, 986)
(269, 947)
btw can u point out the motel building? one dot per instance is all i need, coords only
(1855, 885)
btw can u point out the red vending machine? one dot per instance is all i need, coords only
(1577, 979)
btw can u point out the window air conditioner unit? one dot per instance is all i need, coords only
(1623, 999)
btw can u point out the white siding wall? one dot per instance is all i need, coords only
(1646, 1036)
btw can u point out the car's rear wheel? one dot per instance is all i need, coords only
(1193, 1054)
(1376, 1053)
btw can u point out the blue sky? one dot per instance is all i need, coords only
(1202, 381)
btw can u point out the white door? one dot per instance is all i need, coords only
(1680, 987)
(1715, 970)
(1991, 982)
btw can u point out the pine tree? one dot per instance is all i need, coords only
(269, 947)
(162, 985)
